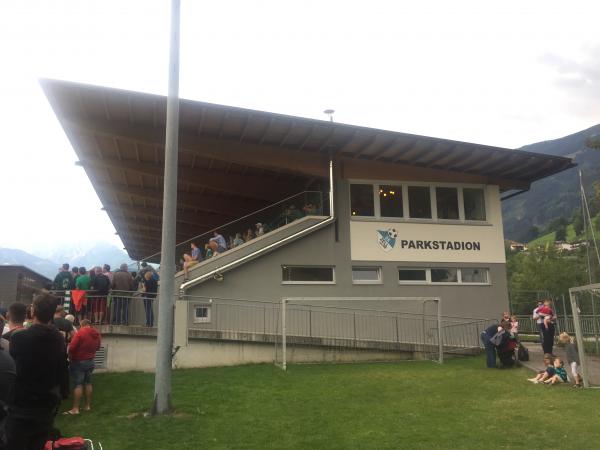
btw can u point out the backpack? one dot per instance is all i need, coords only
(154, 276)
(73, 443)
(523, 353)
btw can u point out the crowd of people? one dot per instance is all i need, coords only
(501, 341)
(41, 353)
(217, 244)
(102, 296)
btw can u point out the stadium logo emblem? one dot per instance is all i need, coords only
(387, 238)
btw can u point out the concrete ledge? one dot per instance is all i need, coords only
(292, 341)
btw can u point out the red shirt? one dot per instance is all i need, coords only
(84, 344)
(546, 310)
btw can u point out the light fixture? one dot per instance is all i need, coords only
(329, 112)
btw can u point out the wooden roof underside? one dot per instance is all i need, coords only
(233, 161)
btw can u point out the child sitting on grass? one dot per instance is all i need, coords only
(544, 374)
(560, 374)
(572, 357)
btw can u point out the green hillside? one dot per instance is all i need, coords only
(551, 237)
(556, 196)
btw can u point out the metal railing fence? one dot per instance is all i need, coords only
(117, 308)
(589, 324)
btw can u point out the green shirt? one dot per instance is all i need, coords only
(83, 282)
(561, 372)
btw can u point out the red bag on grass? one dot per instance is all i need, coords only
(72, 443)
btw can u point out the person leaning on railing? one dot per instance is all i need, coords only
(101, 287)
(83, 283)
(150, 282)
(122, 285)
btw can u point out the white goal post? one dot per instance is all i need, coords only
(310, 301)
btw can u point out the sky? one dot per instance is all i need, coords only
(499, 73)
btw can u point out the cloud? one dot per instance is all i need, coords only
(579, 79)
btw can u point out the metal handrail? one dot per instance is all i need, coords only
(268, 248)
(239, 219)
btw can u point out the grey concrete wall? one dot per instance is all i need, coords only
(261, 278)
(126, 353)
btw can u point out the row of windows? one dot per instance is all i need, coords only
(417, 202)
(366, 275)
(372, 275)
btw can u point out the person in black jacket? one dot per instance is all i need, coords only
(150, 289)
(42, 378)
(492, 338)
(101, 285)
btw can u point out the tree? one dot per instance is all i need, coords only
(557, 224)
(546, 269)
(561, 234)
(577, 220)
(532, 233)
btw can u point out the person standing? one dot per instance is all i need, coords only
(63, 280)
(17, 312)
(101, 286)
(82, 350)
(41, 381)
(122, 285)
(539, 321)
(106, 271)
(548, 329)
(62, 324)
(150, 289)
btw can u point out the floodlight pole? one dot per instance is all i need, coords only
(164, 341)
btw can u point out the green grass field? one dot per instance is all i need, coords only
(412, 405)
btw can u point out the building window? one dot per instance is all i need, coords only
(201, 313)
(472, 275)
(307, 275)
(444, 276)
(396, 201)
(366, 275)
(390, 201)
(419, 202)
(474, 201)
(447, 203)
(412, 275)
(409, 275)
(361, 200)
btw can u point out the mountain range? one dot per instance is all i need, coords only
(556, 196)
(47, 262)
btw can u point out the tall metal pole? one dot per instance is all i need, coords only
(164, 341)
(579, 339)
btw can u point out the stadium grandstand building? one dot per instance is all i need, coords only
(347, 211)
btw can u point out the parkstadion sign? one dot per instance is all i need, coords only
(388, 239)
(426, 242)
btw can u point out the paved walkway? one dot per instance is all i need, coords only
(536, 361)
